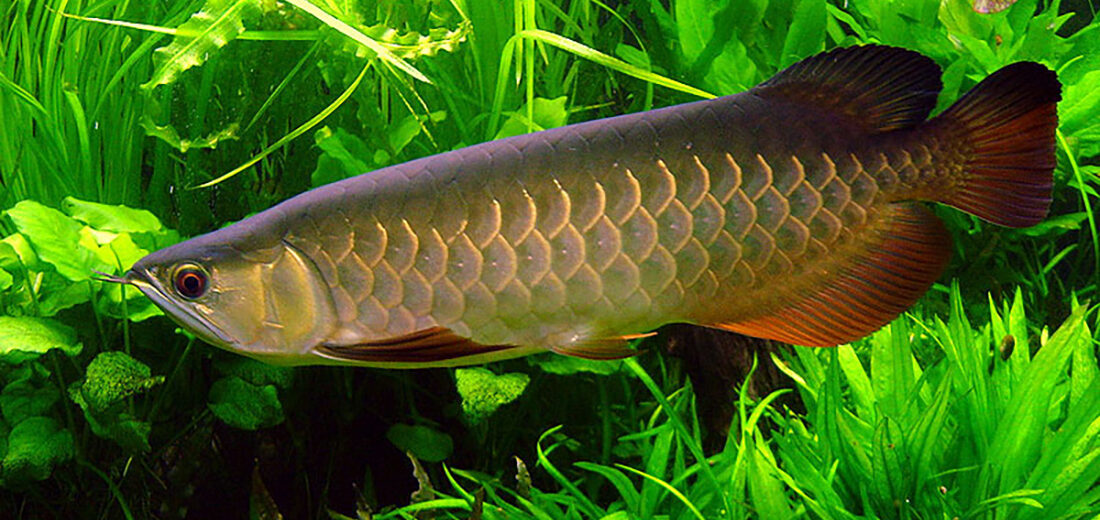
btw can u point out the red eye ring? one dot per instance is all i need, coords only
(190, 282)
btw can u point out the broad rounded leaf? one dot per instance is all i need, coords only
(423, 442)
(255, 372)
(21, 399)
(35, 446)
(105, 217)
(56, 238)
(6, 279)
(243, 405)
(114, 376)
(26, 338)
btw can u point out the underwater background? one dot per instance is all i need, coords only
(128, 126)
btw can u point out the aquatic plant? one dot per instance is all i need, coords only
(981, 402)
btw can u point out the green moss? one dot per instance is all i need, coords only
(114, 376)
(35, 446)
(483, 392)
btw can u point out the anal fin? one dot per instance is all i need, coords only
(430, 347)
(889, 273)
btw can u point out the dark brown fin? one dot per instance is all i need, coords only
(1008, 122)
(886, 278)
(435, 346)
(603, 349)
(877, 87)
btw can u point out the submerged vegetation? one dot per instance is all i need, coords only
(128, 125)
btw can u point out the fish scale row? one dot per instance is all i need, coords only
(605, 247)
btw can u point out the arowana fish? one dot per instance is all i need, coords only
(790, 212)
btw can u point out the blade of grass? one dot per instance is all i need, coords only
(681, 429)
(303, 128)
(355, 34)
(675, 492)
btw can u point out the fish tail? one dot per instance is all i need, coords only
(1005, 126)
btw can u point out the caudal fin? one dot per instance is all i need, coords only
(1006, 126)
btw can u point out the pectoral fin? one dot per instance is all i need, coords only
(431, 347)
(886, 277)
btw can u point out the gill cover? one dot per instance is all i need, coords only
(271, 303)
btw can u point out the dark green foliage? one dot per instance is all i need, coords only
(245, 405)
(109, 125)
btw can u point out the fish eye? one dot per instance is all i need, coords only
(190, 281)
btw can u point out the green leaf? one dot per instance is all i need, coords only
(423, 442)
(483, 392)
(383, 53)
(114, 423)
(568, 365)
(807, 33)
(6, 279)
(255, 372)
(344, 155)
(25, 338)
(106, 217)
(16, 252)
(35, 446)
(243, 405)
(114, 376)
(56, 239)
(1018, 440)
(216, 24)
(546, 113)
(22, 398)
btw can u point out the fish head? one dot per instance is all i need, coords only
(267, 301)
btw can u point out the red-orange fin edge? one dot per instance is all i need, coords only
(880, 283)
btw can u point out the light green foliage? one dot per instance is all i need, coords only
(111, 378)
(218, 23)
(426, 444)
(34, 447)
(25, 338)
(244, 405)
(55, 254)
(345, 155)
(483, 392)
(971, 434)
(545, 113)
(56, 239)
(113, 218)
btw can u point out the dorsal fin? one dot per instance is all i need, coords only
(891, 272)
(877, 87)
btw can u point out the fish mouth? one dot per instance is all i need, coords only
(185, 316)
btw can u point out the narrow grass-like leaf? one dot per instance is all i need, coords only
(1019, 438)
(544, 461)
(383, 53)
(610, 62)
(620, 481)
(303, 128)
(668, 487)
